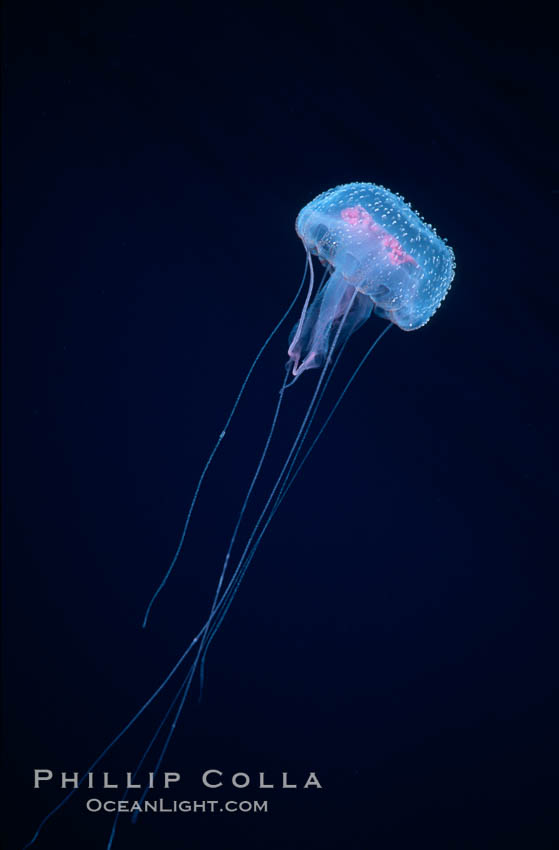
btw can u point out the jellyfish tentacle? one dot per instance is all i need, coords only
(232, 588)
(143, 758)
(220, 610)
(208, 631)
(217, 601)
(243, 511)
(200, 635)
(185, 688)
(243, 566)
(295, 339)
(326, 273)
(117, 737)
(268, 440)
(239, 572)
(219, 440)
(188, 679)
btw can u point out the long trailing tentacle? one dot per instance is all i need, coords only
(117, 738)
(216, 600)
(204, 628)
(308, 264)
(284, 482)
(143, 758)
(239, 572)
(241, 568)
(221, 603)
(243, 509)
(244, 564)
(268, 441)
(220, 609)
(234, 589)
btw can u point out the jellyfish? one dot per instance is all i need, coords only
(378, 256)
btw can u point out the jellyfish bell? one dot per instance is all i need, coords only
(381, 256)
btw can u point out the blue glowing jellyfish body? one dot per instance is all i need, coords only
(377, 245)
(378, 256)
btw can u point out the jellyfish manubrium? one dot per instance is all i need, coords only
(378, 257)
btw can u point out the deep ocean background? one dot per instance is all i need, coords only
(397, 631)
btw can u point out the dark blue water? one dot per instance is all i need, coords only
(397, 631)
